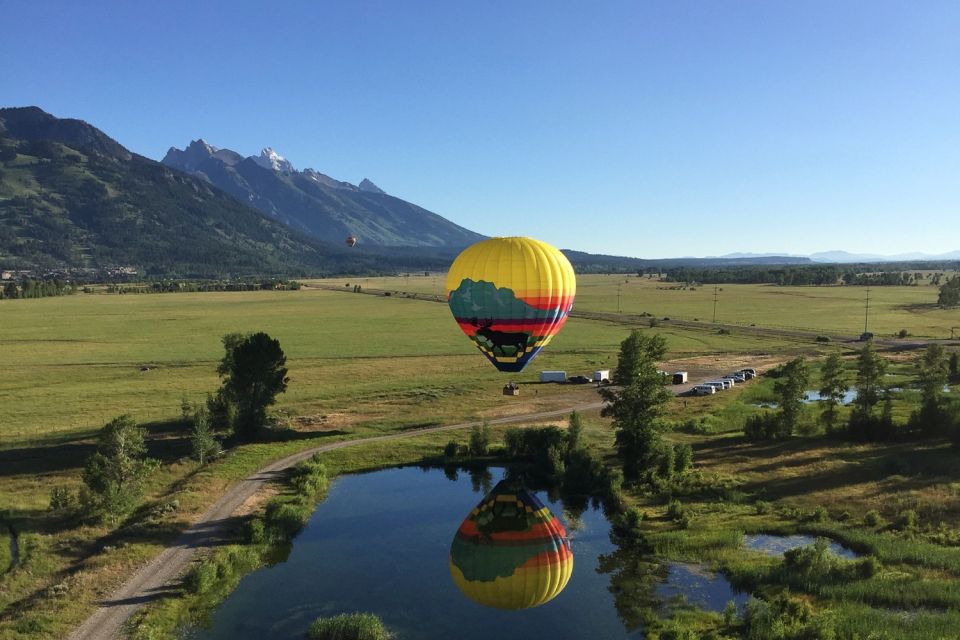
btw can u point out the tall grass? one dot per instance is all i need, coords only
(349, 626)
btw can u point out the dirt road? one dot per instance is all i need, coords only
(156, 578)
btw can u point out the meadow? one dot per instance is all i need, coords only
(368, 364)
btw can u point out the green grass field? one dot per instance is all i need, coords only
(366, 364)
(838, 309)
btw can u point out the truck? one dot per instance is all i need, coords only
(553, 376)
(603, 375)
(679, 377)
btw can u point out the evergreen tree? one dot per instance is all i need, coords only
(254, 373)
(932, 374)
(638, 401)
(833, 386)
(950, 293)
(790, 388)
(870, 371)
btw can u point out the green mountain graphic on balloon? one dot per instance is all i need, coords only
(505, 328)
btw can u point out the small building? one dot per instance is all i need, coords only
(679, 377)
(553, 376)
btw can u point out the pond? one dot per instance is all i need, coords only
(381, 542)
(774, 545)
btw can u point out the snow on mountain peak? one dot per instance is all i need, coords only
(270, 159)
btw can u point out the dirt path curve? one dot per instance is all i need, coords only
(155, 578)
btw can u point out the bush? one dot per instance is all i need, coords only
(762, 426)
(63, 499)
(903, 333)
(479, 440)
(763, 507)
(907, 519)
(675, 510)
(683, 457)
(868, 567)
(348, 626)
(823, 338)
(820, 514)
(873, 518)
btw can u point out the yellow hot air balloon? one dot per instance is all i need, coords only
(511, 552)
(511, 296)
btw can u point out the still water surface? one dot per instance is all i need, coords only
(380, 543)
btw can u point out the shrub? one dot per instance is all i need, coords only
(479, 440)
(683, 457)
(675, 510)
(907, 519)
(63, 499)
(873, 518)
(823, 338)
(348, 626)
(868, 567)
(763, 507)
(820, 514)
(903, 333)
(450, 451)
(762, 426)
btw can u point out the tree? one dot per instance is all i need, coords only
(637, 401)
(833, 385)
(575, 431)
(479, 439)
(791, 387)
(115, 474)
(950, 293)
(205, 445)
(932, 374)
(954, 366)
(870, 371)
(254, 373)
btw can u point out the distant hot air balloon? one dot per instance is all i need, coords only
(351, 240)
(511, 552)
(511, 296)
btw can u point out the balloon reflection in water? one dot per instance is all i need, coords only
(511, 552)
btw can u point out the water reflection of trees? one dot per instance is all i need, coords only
(633, 580)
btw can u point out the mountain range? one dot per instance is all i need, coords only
(72, 197)
(315, 203)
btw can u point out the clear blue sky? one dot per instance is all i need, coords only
(651, 129)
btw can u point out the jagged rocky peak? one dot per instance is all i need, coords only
(190, 159)
(270, 159)
(367, 185)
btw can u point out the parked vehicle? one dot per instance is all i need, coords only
(553, 376)
(679, 377)
(716, 384)
(603, 375)
(727, 384)
(749, 373)
(704, 390)
(732, 379)
(578, 379)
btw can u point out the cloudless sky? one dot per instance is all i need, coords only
(651, 129)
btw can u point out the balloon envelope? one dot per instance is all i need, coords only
(351, 240)
(510, 296)
(511, 552)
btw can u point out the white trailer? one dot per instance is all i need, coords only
(553, 376)
(680, 377)
(603, 375)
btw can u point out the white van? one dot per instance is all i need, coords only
(716, 384)
(704, 390)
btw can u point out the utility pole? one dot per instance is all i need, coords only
(866, 313)
(715, 304)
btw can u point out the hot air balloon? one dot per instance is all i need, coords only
(511, 552)
(351, 240)
(511, 296)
